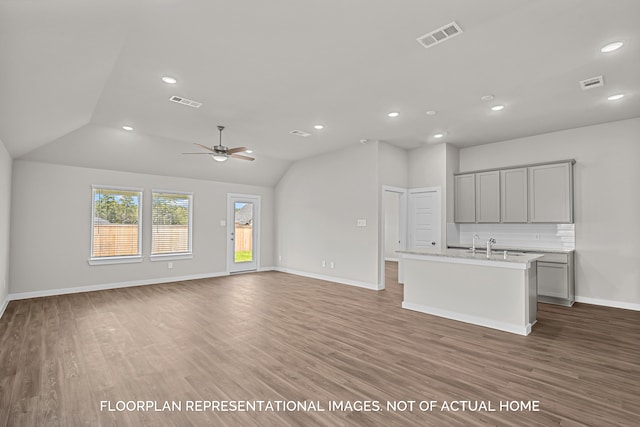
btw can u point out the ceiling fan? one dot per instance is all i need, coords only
(220, 153)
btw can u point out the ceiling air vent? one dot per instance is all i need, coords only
(592, 82)
(440, 35)
(300, 133)
(185, 101)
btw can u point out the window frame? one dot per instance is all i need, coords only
(118, 259)
(174, 255)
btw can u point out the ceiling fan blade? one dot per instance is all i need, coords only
(238, 156)
(204, 146)
(236, 150)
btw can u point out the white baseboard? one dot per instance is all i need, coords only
(329, 278)
(608, 303)
(272, 268)
(392, 259)
(4, 305)
(104, 286)
(461, 317)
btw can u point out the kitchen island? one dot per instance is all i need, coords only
(458, 284)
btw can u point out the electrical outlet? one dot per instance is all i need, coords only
(170, 265)
(324, 263)
(332, 264)
(536, 236)
(279, 257)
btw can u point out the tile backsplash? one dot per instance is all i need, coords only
(548, 236)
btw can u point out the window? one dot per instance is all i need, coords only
(116, 231)
(171, 224)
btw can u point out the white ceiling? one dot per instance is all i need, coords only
(73, 72)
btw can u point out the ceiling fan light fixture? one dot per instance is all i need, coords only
(219, 157)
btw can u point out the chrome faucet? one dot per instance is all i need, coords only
(490, 244)
(473, 248)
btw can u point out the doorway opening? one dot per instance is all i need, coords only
(393, 229)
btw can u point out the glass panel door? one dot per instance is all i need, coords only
(243, 220)
(243, 226)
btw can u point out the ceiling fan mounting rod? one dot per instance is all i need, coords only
(220, 128)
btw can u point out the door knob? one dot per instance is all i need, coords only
(433, 243)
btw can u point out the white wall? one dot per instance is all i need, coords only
(606, 205)
(393, 165)
(452, 165)
(5, 210)
(51, 227)
(428, 167)
(318, 202)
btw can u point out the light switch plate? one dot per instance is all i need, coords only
(362, 223)
(223, 223)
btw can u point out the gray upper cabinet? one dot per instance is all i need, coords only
(551, 193)
(513, 195)
(465, 198)
(488, 196)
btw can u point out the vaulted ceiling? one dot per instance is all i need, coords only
(75, 71)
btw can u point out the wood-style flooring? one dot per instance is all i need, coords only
(277, 337)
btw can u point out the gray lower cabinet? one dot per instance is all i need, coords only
(556, 284)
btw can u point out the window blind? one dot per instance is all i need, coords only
(171, 223)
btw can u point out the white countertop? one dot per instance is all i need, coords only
(467, 257)
(517, 248)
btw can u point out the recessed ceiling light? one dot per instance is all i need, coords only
(487, 98)
(497, 107)
(127, 128)
(432, 113)
(616, 97)
(611, 47)
(393, 114)
(169, 80)
(438, 135)
(318, 127)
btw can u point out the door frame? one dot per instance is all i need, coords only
(402, 224)
(255, 199)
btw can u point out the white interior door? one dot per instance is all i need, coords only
(424, 219)
(243, 225)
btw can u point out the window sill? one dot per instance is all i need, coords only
(170, 257)
(114, 260)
